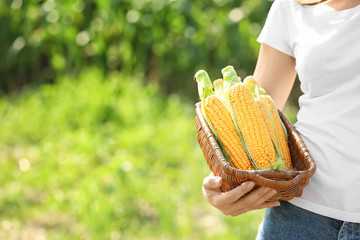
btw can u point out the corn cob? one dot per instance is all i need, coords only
(284, 148)
(220, 122)
(250, 123)
(265, 113)
(273, 122)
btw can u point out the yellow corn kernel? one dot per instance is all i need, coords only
(268, 122)
(279, 129)
(221, 121)
(252, 126)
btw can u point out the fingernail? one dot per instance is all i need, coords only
(273, 192)
(217, 180)
(277, 204)
(250, 184)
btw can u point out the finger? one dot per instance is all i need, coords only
(267, 193)
(238, 212)
(212, 183)
(211, 189)
(255, 199)
(236, 193)
(270, 204)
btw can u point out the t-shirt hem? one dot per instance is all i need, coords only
(326, 211)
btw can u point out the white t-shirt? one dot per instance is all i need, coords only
(326, 46)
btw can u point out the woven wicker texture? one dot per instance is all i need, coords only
(289, 184)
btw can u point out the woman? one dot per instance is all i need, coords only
(320, 42)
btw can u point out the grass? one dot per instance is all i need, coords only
(105, 158)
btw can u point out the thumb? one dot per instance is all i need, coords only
(212, 183)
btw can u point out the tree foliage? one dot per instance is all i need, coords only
(163, 41)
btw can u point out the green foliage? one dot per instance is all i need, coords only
(90, 158)
(97, 150)
(165, 41)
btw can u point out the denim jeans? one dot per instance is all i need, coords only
(289, 222)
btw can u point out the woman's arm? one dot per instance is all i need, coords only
(275, 72)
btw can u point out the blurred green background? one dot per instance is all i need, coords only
(97, 134)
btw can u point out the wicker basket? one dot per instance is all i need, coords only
(289, 184)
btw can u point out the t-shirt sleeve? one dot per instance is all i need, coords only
(275, 32)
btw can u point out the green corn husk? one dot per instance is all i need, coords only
(256, 91)
(205, 89)
(219, 86)
(230, 79)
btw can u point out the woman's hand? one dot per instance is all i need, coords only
(234, 202)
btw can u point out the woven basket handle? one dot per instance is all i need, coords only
(276, 184)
